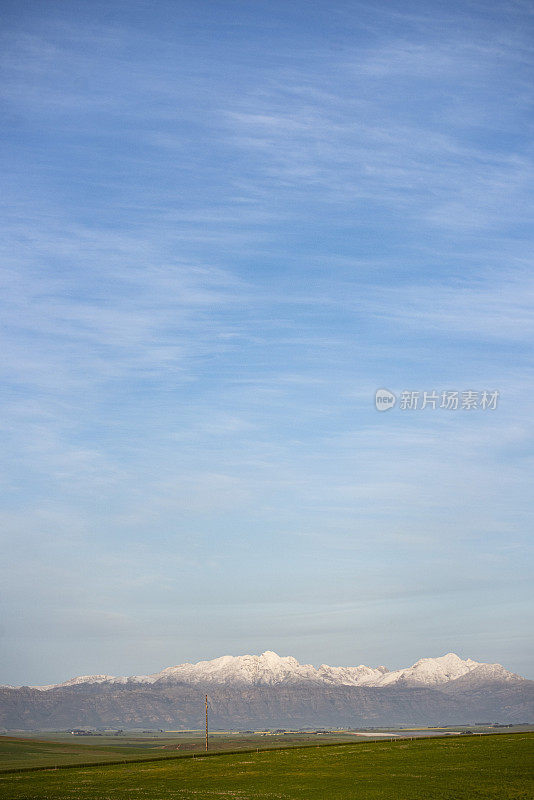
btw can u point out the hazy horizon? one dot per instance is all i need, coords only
(226, 226)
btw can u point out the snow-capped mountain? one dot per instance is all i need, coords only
(270, 669)
(276, 691)
(431, 671)
(267, 669)
(484, 675)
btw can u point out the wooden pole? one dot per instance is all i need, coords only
(206, 722)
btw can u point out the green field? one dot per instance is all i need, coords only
(59, 749)
(56, 748)
(495, 767)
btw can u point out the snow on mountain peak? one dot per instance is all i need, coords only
(80, 680)
(270, 669)
(431, 671)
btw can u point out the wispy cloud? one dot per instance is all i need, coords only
(220, 239)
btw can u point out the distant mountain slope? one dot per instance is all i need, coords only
(269, 690)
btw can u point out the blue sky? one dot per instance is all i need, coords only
(226, 224)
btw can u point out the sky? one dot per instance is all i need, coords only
(226, 225)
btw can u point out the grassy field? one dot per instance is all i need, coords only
(59, 749)
(465, 768)
(21, 752)
(56, 748)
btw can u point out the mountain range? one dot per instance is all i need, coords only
(269, 689)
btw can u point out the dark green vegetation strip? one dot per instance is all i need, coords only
(463, 768)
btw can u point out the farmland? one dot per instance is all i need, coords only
(495, 767)
(43, 749)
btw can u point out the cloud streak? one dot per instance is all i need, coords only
(216, 248)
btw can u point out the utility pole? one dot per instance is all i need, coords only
(206, 722)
